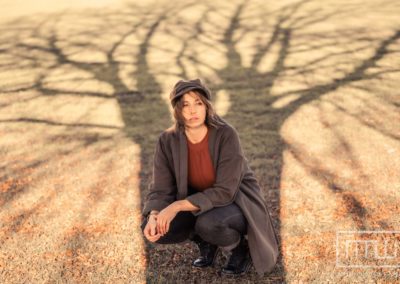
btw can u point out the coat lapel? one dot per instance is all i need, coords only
(183, 166)
(211, 146)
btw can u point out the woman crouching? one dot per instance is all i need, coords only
(203, 189)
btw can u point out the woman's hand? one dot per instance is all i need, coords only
(165, 217)
(150, 231)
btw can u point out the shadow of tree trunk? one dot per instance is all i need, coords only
(253, 111)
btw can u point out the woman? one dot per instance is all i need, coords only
(204, 190)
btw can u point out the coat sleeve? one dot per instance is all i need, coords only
(229, 174)
(162, 189)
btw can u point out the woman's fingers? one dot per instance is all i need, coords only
(159, 222)
(167, 226)
(163, 223)
(163, 227)
(159, 225)
(148, 233)
(154, 238)
(152, 230)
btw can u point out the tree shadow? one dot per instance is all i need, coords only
(255, 110)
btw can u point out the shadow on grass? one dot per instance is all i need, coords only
(145, 114)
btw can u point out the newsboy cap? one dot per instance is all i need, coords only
(184, 86)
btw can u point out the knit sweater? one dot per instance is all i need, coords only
(201, 173)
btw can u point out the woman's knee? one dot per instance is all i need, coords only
(207, 225)
(221, 221)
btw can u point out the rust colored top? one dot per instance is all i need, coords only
(201, 173)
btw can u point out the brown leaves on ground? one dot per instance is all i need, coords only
(311, 87)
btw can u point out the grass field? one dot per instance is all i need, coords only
(311, 86)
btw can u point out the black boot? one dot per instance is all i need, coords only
(239, 261)
(208, 253)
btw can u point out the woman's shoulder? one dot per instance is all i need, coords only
(169, 134)
(227, 130)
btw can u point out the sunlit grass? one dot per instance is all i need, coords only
(311, 86)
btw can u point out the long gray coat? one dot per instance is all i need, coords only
(235, 182)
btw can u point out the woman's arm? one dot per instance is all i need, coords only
(162, 193)
(185, 205)
(162, 190)
(166, 215)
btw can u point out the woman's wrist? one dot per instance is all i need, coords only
(177, 206)
(186, 205)
(152, 214)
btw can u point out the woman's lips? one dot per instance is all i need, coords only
(194, 118)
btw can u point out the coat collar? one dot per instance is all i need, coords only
(183, 159)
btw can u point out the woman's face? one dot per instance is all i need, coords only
(193, 110)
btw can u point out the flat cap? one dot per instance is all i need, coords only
(184, 86)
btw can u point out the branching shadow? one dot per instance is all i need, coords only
(255, 109)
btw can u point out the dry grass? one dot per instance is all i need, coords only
(311, 86)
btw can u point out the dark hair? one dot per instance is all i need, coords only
(212, 118)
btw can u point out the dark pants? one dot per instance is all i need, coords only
(220, 226)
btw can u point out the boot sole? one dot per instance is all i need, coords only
(212, 262)
(246, 269)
